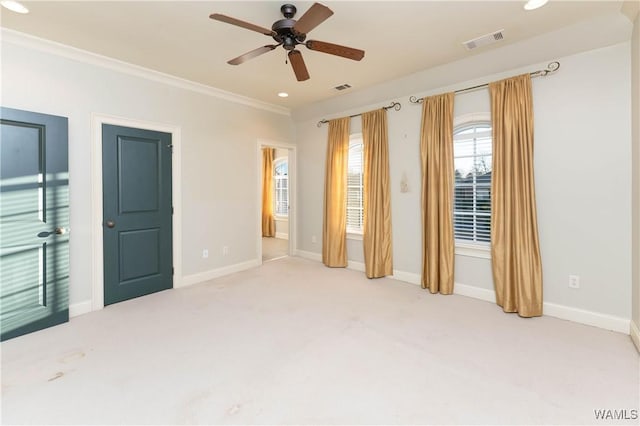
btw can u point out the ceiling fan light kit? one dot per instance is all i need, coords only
(290, 33)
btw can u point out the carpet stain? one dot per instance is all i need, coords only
(234, 409)
(56, 376)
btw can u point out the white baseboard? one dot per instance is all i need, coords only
(218, 272)
(282, 235)
(308, 255)
(408, 277)
(635, 334)
(582, 316)
(356, 266)
(459, 289)
(80, 308)
(475, 292)
(596, 319)
(86, 306)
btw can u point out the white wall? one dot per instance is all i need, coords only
(282, 228)
(219, 170)
(583, 174)
(635, 110)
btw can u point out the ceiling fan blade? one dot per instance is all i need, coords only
(335, 49)
(313, 17)
(252, 54)
(297, 63)
(243, 24)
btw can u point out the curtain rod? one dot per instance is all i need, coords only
(395, 105)
(551, 68)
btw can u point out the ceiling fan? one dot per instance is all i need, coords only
(290, 33)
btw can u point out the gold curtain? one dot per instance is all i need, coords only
(378, 258)
(268, 222)
(515, 251)
(436, 152)
(334, 224)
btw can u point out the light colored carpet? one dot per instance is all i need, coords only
(295, 342)
(274, 248)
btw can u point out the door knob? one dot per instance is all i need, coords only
(110, 224)
(58, 231)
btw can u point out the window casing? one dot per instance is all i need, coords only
(472, 159)
(355, 170)
(281, 187)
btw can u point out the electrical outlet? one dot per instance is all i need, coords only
(313, 239)
(225, 250)
(574, 281)
(205, 253)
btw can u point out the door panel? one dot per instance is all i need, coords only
(34, 203)
(137, 231)
(139, 254)
(138, 160)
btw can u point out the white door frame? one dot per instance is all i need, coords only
(291, 151)
(97, 270)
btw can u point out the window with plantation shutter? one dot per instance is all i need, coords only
(472, 199)
(355, 211)
(281, 185)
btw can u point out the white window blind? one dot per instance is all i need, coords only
(472, 199)
(281, 185)
(355, 211)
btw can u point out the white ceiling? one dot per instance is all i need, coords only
(400, 38)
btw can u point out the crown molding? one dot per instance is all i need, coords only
(630, 9)
(47, 46)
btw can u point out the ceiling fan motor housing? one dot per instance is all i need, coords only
(286, 35)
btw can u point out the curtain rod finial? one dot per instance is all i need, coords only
(553, 66)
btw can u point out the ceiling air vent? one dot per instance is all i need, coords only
(343, 87)
(484, 40)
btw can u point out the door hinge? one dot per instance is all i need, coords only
(170, 146)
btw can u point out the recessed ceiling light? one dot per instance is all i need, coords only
(534, 4)
(283, 94)
(14, 6)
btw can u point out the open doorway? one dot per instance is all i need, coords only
(276, 163)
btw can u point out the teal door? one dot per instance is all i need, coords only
(34, 222)
(137, 209)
